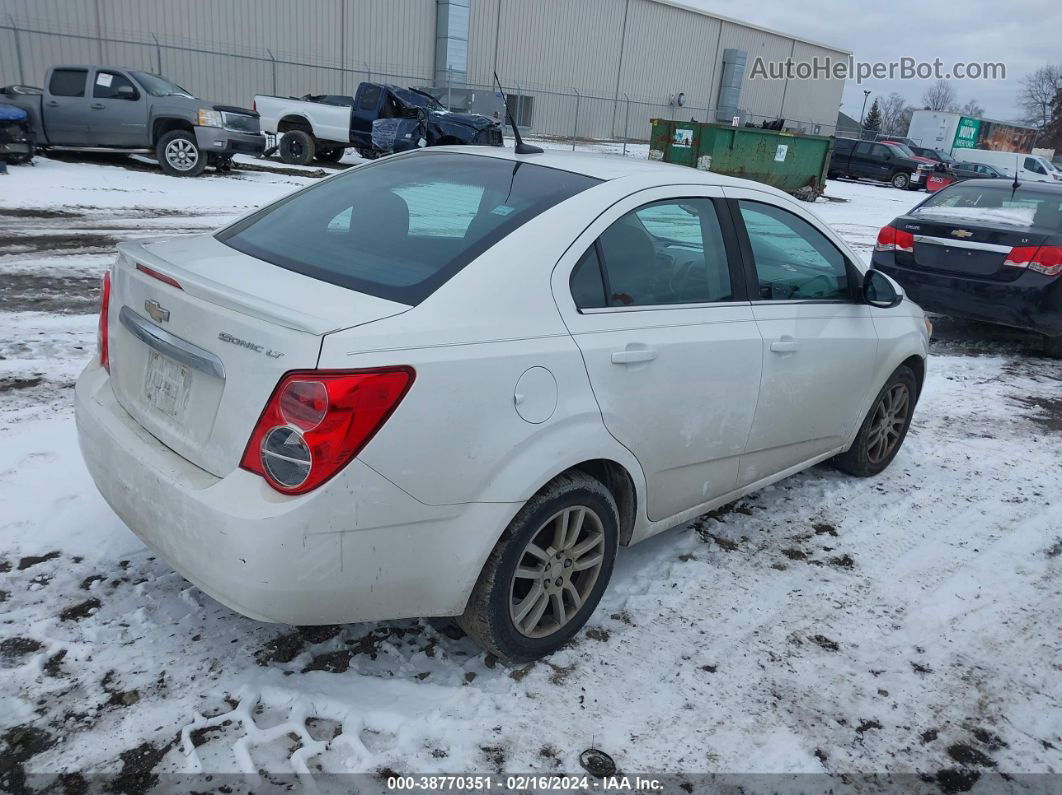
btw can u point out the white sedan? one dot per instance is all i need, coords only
(454, 382)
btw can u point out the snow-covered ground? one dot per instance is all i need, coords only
(907, 623)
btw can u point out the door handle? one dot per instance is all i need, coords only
(52, 103)
(98, 106)
(633, 356)
(785, 345)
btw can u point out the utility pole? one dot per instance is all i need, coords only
(866, 94)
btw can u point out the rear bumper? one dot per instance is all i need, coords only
(218, 140)
(1032, 301)
(357, 549)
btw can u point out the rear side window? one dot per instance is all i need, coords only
(68, 83)
(588, 282)
(107, 85)
(665, 253)
(399, 228)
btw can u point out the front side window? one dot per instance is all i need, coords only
(369, 98)
(794, 261)
(68, 83)
(108, 85)
(1033, 165)
(401, 227)
(667, 252)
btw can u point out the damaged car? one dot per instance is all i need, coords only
(16, 135)
(378, 119)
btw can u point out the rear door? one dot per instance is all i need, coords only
(118, 111)
(819, 343)
(200, 334)
(653, 295)
(66, 107)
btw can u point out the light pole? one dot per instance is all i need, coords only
(866, 94)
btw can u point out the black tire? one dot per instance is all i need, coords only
(488, 618)
(20, 159)
(368, 154)
(901, 180)
(179, 155)
(1053, 347)
(297, 147)
(859, 459)
(331, 154)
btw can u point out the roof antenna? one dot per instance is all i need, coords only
(521, 148)
(1017, 165)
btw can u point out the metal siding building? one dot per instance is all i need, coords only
(589, 68)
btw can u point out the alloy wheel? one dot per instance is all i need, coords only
(890, 418)
(181, 154)
(556, 571)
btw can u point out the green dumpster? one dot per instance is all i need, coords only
(792, 162)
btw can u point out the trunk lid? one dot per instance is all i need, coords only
(947, 243)
(195, 365)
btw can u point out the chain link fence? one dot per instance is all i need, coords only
(561, 113)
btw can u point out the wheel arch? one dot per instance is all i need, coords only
(574, 447)
(614, 477)
(293, 121)
(167, 124)
(918, 366)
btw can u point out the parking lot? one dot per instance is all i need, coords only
(904, 623)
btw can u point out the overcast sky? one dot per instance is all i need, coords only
(1023, 34)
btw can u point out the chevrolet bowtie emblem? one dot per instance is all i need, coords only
(961, 233)
(157, 313)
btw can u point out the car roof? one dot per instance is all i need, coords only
(606, 167)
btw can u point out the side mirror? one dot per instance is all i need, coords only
(126, 92)
(881, 291)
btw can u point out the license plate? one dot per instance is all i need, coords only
(167, 385)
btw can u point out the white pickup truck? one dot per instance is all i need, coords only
(378, 119)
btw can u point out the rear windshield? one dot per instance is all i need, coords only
(998, 203)
(399, 228)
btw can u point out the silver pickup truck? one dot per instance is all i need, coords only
(118, 109)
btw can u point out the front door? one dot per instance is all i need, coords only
(118, 114)
(653, 294)
(819, 342)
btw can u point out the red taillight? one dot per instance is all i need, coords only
(162, 277)
(1043, 259)
(102, 339)
(316, 421)
(892, 239)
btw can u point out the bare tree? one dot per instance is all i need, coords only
(892, 110)
(972, 109)
(939, 96)
(1038, 90)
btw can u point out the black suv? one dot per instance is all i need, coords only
(872, 160)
